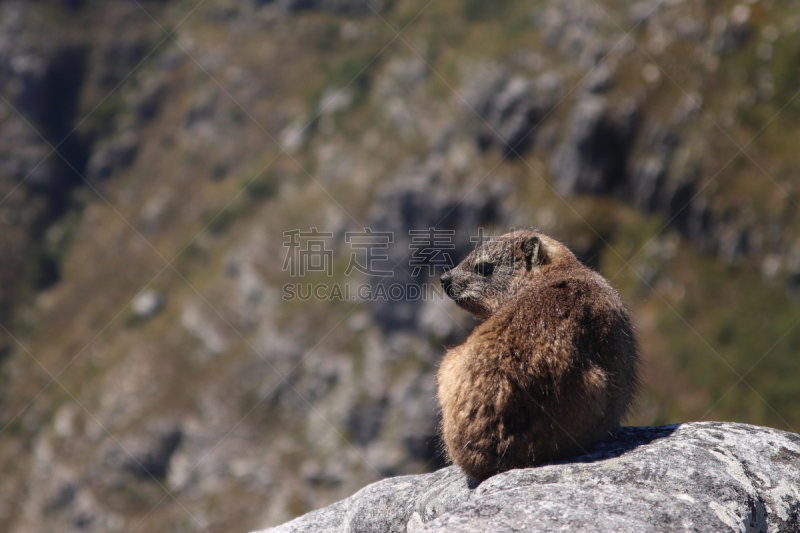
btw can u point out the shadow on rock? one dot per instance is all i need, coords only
(624, 440)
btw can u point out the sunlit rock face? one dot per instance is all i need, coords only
(708, 476)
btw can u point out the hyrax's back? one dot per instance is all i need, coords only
(550, 372)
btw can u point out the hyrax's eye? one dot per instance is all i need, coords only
(484, 269)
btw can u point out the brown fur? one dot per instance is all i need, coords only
(551, 370)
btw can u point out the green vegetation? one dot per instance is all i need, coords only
(478, 11)
(263, 186)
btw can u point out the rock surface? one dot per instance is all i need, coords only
(704, 476)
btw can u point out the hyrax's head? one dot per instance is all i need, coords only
(493, 273)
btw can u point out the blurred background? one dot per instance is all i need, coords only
(153, 153)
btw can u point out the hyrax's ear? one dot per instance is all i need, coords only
(532, 250)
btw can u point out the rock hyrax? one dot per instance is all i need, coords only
(550, 371)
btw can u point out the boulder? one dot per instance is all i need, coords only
(702, 476)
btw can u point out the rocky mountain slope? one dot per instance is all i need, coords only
(154, 153)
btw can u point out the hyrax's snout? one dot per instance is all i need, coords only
(447, 283)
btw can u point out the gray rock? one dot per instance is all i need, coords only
(113, 156)
(730, 34)
(42, 80)
(511, 109)
(202, 325)
(365, 420)
(593, 158)
(641, 12)
(601, 79)
(118, 58)
(334, 100)
(703, 476)
(147, 101)
(203, 108)
(648, 173)
(295, 134)
(395, 504)
(45, 82)
(146, 454)
(147, 303)
(359, 7)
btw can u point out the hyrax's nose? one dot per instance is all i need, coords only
(447, 282)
